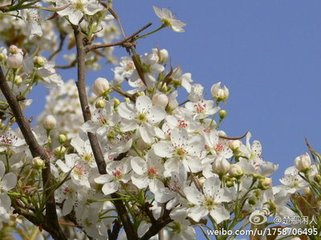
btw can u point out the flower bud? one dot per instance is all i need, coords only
(235, 145)
(265, 183)
(252, 200)
(100, 103)
(15, 57)
(317, 178)
(38, 163)
(60, 151)
(49, 122)
(229, 183)
(163, 55)
(62, 138)
(18, 80)
(236, 171)
(221, 166)
(2, 57)
(116, 102)
(303, 162)
(222, 113)
(39, 61)
(220, 93)
(160, 99)
(101, 86)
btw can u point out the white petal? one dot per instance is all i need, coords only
(103, 179)
(75, 17)
(126, 111)
(140, 181)
(143, 104)
(128, 125)
(163, 149)
(143, 228)
(67, 207)
(211, 185)
(63, 166)
(109, 188)
(220, 214)
(172, 165)
(2, 169)
(179, 137)
(147, 133)
(193, 195)
(9, 181)
(156, 115)
(139, 165)
(197, 213)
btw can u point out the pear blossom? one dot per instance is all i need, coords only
(76, 9)
(49, 122)
(181, 228)
(182, 151)
(79, 170)
(169, 20)
(303, 162)
(33, 21)
(10, 140)
(101, 86)
(209, 202)
(146, 170)
(15, 57)
(117, 173)
(202, 108)
(143, 116)
(219, 93)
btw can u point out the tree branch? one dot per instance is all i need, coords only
(158, 225)
(99, 158)
(51, 219)
(127, 42)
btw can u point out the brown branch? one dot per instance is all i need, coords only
(51, 218)
(233, 138)
(68, 66)
(157, 226)
(113, 234)
(99, 158)
(127, 42)
(62, 38)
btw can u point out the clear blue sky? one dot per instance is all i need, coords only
(267, 52)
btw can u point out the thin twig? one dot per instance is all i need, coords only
(233, 138)
(51, 219)
(62, 38)
(68, 66)
(124, 43)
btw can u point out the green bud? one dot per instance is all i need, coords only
(222, 114)
(39, 61)
(60, 151)
(252, 200)
(116, 102)
(62, 138)
(100, 103)
(38, 163)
